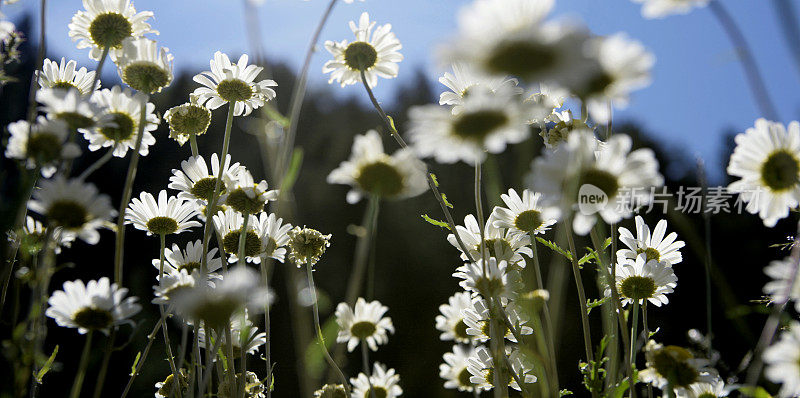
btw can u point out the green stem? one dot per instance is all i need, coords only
(101, 377)
(267, 344)
(170, 357)
(646, 337)
(634, 336)
(587, 337)
(150, 339)
(242, 240)
(369, 222)
(98, 71)
(193, 145)
(77, 384)
(548, 324)
(365, 365)
(97, 164)
(126, 195)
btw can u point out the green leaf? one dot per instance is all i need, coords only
(135, 363)
(435, 222)
(755, 392)
(564, 393)
(435, 180)
(554, 247)
(47, 365)
(586, 258)
(315, 356)
(590, 304)
(446, 203)
(294, 169)
(391, 124)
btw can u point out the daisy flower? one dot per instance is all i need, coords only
(239, 324)
(524, 215)
(186, 120)
(245, 196)
(69, 106)
(782, 273)
(478, 319)
(782, 361)
(167, 216)
(363, 324)
(644, 279)
(274, 236)
(64, 76)
(563, 125)
(464, 79)
(370, 171)
(164, 388)
(97, 305)
(374, 53)
(385, 383)
(706, 389)
(105, 24)
(487, 121)
(143, 66)
(331, 391)
(451, 321)
(43, 145)
(767, 159)
(547, 97)
(75, 206)
(307, 245)
(655, 245)
(123, 109)
(454, 371)
(619, 66)
(189, 259)
(499, 243)
(227, 82)
(171, 283)
(31, 238)
(584, 166)
(229, 226)
(195, 182)
(656, 9)
(481, 367)
(500, 280)
(674, 365)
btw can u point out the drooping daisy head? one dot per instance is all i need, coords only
(331, 391)
(365, 324)
(657, 9)
(371, 171)
(454, 371)
(105, 24)
(375, 53)
(644, 279)
(64, 76)
(481, 367)
(246, 196)
(524, 215)
(168, 215)
(235, 83)
(75, 206)
(674, 365)
(451, 321)
(463, 80)
(307, 245)
(32, 237)
(782, 361)
(229, 224)
(274, 236)
(189, 259)
(500, 279)
(487, 121)
(144, 66)
(384, 381)
(187, 120)
(196, 183)
(655, 245)
(42, 145)
(584, 166)
(767, 159)
(498, 243)
(123, 110)
(784, 285)
(69, 106)
(96, 305)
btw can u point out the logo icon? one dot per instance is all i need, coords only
(591, 199)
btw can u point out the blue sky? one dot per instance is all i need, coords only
(698, 91)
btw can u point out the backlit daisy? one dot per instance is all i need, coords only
(782, 361)
(168, 215)
(106, 23)
(75, 206)
(783, 274)
(186, 120)
(239, 324)
(69, 106)
(143, 65)
(227, 82)
(171, 283)
(365, 324)
(767, 159)
(547, 97)
(42, 145)
(31, 238)
(385, 383)
(706, 389)
(374, 53)
(195, 182)
(477, 318)
(451, 321)
(64, 76)
(97, 305)
(371, 171)
(189, 259)
(307, 245)
(463, 79)
(620, 179)
(655, 245)
(487, 121)
(454, 371)
(274, 236)
(644, 279)
(229, 226)
(674, 365)
(524, 215)
(247, 196)
(331, 391)
(563, 125)
(123, 109)
(481, 367)
(500, 281)
(498, 243)
(655, 9)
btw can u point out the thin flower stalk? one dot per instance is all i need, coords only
(587, 338)
(150, 339)
(77, 384)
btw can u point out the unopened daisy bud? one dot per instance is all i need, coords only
(247, 197)
(144, 66)
(306, 245)
(331, 391)
(187, 120)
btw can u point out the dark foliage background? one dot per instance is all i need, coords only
(414, 262)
